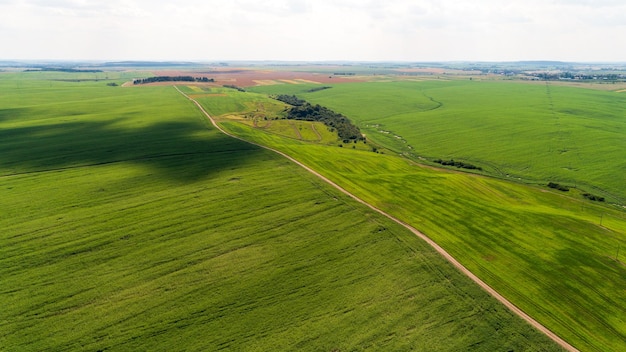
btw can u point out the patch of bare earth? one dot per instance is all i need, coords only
(250, 77)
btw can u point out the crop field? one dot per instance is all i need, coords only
(536, 132)
(554, 254)
(129, 223)
(258, 111)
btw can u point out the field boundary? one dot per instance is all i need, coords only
(513, 308)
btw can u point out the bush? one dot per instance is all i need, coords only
(558, 186)
(593, 197)
(458, 164)
(317, 89)
(302, 110)
(232, 86)
(290, 99)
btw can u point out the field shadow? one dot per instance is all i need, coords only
(14, 113)
(178, 150)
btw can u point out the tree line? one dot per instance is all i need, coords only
(563, 188)
(232, 86)
(458, 164)
(56, 69)
(303, 110)
(172, 79)
(317, 89)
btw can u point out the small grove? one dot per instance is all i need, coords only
(458, 164)
(172, 79)
(563, 188)
(302, 110)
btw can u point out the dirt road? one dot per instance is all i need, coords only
(432, 243)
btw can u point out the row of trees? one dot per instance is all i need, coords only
(458, 164)
(172, 79)
(232, 86)
(593, 197)
(580, 76)
(302, 110)
(558, 186)
(317, 89)
(290, 99)
(563, 188)
(60, 69)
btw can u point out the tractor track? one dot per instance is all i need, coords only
(513, 308)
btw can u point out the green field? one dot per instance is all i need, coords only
(129, 223)
(538, 132)
(553, 254)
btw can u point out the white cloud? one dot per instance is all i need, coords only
(574, 30)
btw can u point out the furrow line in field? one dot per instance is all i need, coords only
(416, 232)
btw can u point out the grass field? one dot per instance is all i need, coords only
(538, 132)
(128, 223)
(553, 255)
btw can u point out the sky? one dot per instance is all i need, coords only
(314, 30)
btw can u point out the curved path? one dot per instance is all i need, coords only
(432, 243)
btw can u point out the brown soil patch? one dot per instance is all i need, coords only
(290, 81)
(435, 71)
(265, 82)
(307, 81)
(250, 77)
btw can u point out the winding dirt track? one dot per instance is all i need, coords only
(432, 243)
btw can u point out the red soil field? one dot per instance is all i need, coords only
(249, 78)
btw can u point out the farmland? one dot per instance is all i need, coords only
(554, 254)
(535, 132)
(129, 223)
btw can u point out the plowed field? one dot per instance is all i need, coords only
(249, 78)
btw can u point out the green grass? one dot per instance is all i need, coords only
(536, 132)
(543, 250)
(128, 223)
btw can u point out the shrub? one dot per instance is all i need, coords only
(302, 110)
(593, 197)
(458, 164)
(316, 89)
(558, 186)
(232, 86)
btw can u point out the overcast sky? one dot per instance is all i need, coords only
(305, 30)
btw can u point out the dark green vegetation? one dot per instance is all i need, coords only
(302, 110)
(555, 255)
(558, 186)
(63, 69)
(593, 197)
(128, 223)
(172, 79)
(538, 132)
(457, 164)
(291, 99)
(312, 90)
(232, 86)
